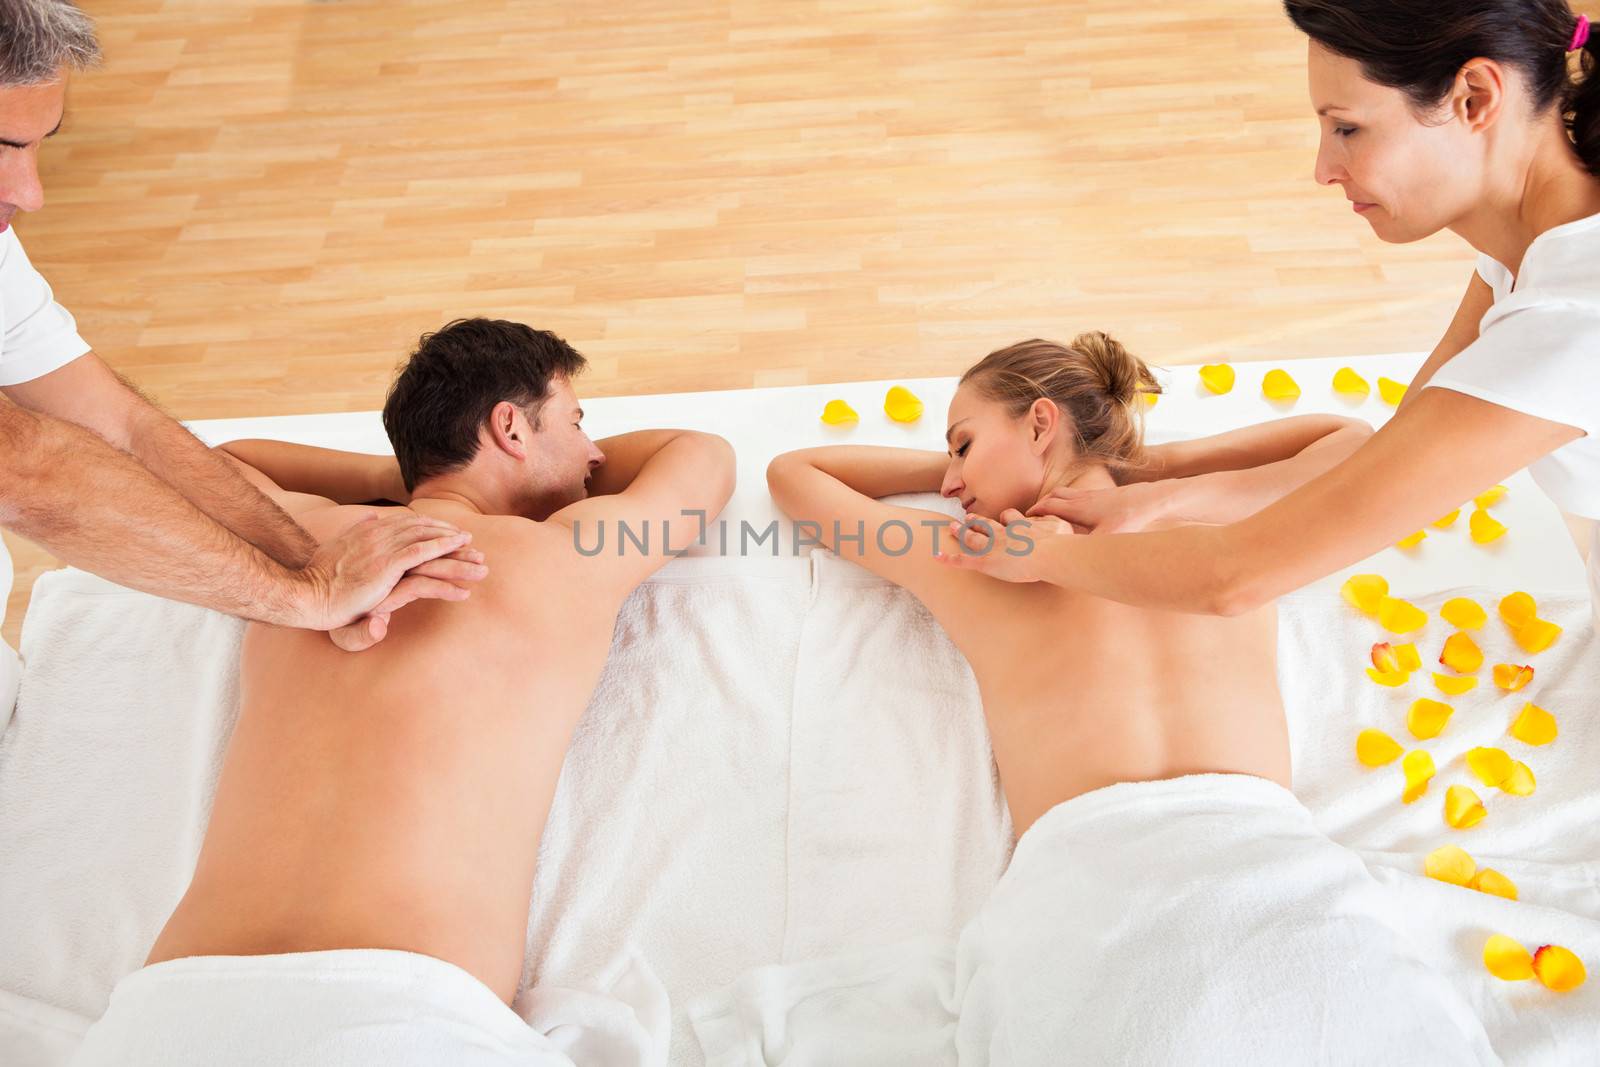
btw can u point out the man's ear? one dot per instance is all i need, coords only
(508, 430)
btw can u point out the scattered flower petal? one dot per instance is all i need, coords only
(1536, 635)
(1278, 385)
(1374, 748)
(1510, 677)
(1490, 497)
(1217, 377)
(1462, 808)
(1516, 609)
(1461, 654)
(1485, 527)
(1447, 521)
(1400, 616)
(1558, 969)
(1427, 718)
(1391, 391)
(1412, 540)
(1520, 783)
(1464, 613)
(838, 413)
(1491, 766)
(1534, 726)
(1385, 659)
(1350, 383)
(1454, 684)
(1451, 864)
(1410, 659)
(1419, 771)
(1494, 883)
(901, 404)
(1506, 959)
(1364, 592)
(1149, 398)
(1392, 679)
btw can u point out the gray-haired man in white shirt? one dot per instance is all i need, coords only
(107, 482)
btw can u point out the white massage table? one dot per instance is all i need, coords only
(785, 758)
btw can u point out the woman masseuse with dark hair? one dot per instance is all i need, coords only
(1477, 116)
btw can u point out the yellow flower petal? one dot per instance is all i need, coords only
(1461, 654)
(1364, 592)
(901, 404)
(1462, 808)
(1427, 718)
(1400, 616)
(1490, 497)
(1536, 635)
(1277, 385)
(1534, 726)
(1510, 677)
(1491, 766)
(1463, 613)
(1494, 883)
(1217, 377)
(1149, 398)
(1520, 782)
(1418, 769)
(1506, 959)
(1412, 540)
(1485, 527)
(1392, 679)
(838, 413)
(1447, 521)
(1410, 659)
(1385, 659)
(1451, 864)
(1350, 383)
(1516, 609)
(1454, 684)
(1374, 748)
(1558, 969)
(1391, 391)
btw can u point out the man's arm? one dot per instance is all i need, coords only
(343, 477)
(88, 393)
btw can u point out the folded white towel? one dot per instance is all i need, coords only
(1199, 920)
(310, 1009)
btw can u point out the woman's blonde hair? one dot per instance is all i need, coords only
(1095, 382)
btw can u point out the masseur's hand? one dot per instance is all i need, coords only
(1123, 509)
(1008, 549)
(378, 566)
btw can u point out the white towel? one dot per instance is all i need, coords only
(1200, 920)
(310, 1009)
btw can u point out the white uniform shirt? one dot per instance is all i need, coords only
(37, 335)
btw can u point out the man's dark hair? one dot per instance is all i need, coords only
(446, 390)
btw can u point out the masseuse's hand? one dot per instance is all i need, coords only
(1007, 549)
(1123, 509)
(382, 563)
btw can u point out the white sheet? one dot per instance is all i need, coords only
(762, 775)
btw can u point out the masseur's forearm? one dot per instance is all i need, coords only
(1228, 495)
(98, 508)
(878, 471)
(215, 487)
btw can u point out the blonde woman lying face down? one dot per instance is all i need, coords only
(1165, 877)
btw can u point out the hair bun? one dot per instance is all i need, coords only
(1122, 374)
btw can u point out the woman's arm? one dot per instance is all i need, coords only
(1443, 448)
(343, 477)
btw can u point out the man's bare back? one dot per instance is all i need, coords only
(395, 799)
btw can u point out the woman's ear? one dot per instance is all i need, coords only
(1044, 420)
(1479, 94)
(508, 430)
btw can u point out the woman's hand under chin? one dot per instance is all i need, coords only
(1120, 509)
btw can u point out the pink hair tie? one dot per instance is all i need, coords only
(1580, 34)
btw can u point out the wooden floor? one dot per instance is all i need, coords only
(256, 207)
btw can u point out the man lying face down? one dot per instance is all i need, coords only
(362, 891)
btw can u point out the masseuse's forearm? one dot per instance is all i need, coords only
(877, 471)
(1230, 495)
(215, 487)
(96, 507)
